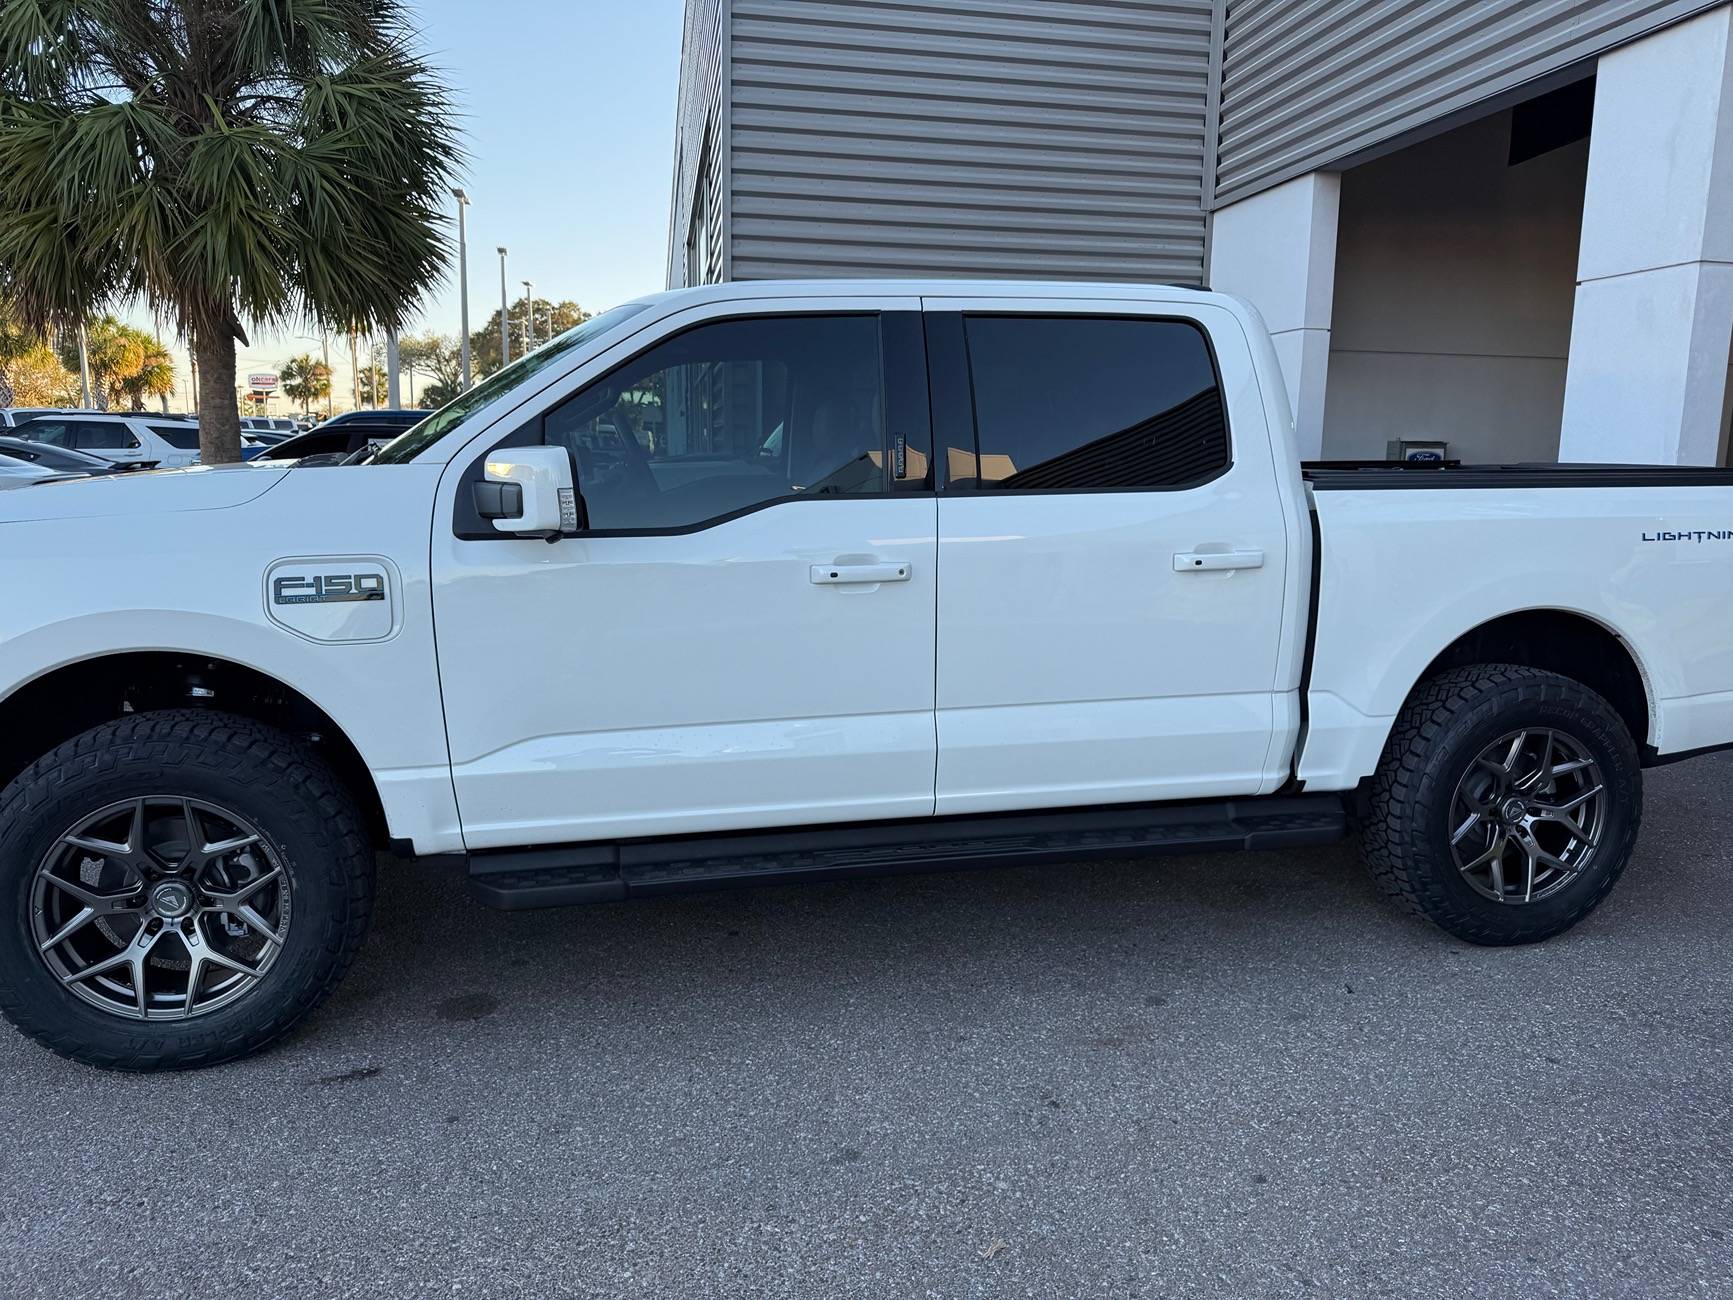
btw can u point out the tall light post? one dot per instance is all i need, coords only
(83, 367)
(504, 314)
(462, 285)
(529, 315)
(393, 383)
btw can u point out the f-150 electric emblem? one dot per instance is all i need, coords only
(326, 588)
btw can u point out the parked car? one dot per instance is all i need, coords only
(12, 416)
(21, 473)
(137, 441)
(771, 582)
(55, 459)
(341, 436)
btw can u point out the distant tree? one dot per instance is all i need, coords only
(37, 378)
(434, 357)
(484, 343)
(224, 160)
(127, 364)
(15, 343)
(436, 395)
(372, 381)
(155, 376)
(305, 380)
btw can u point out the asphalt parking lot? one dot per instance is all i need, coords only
(1234, 1077)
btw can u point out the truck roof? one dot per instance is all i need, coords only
(740, 290)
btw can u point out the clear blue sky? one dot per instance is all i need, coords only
(569, 112)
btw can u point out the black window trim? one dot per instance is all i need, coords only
(952, 381)
(903, 372)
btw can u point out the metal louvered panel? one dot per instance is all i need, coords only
(700, 138)
(1308, 83)
(968, 138)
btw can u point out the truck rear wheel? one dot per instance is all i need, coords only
(1505, 805)
(180, 889)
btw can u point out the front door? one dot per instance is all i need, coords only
(743, 634)
(1111, 563)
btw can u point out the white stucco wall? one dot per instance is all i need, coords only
(1654, 300)
(1455, 278)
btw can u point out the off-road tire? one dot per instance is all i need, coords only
(300, 808)
(1446, 723)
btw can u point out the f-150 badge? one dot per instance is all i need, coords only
(323, 588)
(335, 599)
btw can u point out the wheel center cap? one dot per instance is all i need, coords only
(1513, 810)
(171, 900)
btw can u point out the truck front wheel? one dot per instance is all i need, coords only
(179, 889)
(1505, 805)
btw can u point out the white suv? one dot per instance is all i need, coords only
(136, 440)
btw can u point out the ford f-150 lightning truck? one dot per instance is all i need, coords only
(767, 582)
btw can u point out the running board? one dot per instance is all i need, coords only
(513, 879)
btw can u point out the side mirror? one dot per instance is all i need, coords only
(528, 492)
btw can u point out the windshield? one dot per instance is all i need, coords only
(418, 439)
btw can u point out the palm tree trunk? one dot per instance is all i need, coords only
(219, 417)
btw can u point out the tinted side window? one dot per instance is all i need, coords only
(182, 437)
(56, 433)
(729, 416)
(1079, 402)
(96, 436)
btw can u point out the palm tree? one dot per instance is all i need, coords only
(127, 364)
(305, 380)
(15, 344)
(231, 162)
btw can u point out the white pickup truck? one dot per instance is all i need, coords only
(769, 582)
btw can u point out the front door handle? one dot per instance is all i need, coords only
(1206, 561)
(837, 575)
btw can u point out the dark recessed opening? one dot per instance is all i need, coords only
(1552, 120)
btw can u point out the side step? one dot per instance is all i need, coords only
(557, 876)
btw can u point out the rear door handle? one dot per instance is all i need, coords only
(1205, 561)
(837, 575)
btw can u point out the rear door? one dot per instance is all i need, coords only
(114, 440)
(179, 441)
(1111, 559)
(743, 634)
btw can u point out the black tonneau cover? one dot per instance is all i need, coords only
(1388, 475)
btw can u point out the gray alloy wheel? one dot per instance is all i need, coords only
(1506, 803)
(1527, 816)
(160, 907)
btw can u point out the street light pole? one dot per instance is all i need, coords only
(393, 384)
(83, 367)
(462, 285)
(504, 314)
(529, 316)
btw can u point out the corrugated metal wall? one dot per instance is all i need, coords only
(1306, 83)
(700, 137)
(1035, 138)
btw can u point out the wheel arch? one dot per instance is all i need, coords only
(70, 698)
(1346, 736)
(1567, 642)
